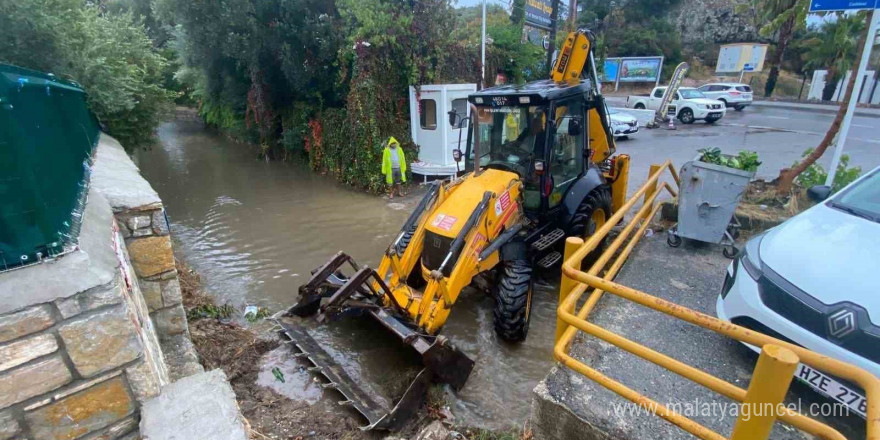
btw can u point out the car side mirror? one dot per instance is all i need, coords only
(456, 155)
(574, 127)
(453, 115)
(819, 193)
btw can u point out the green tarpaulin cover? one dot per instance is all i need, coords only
(47, 136)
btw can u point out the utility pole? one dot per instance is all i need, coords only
(873, 18)
(554, 15)
(483, 50)
(572, 14)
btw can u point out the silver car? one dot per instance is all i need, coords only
(736, 95)
(623, 124)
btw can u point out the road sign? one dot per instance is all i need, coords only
(841, 5)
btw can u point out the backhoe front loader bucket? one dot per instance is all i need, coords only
(331, 295)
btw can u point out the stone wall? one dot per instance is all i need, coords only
(77, 348)
(141, 219)
(84, 337)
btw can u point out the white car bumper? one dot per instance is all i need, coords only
(624, 129)
(733, 101)
(743, 301)
(703, 113)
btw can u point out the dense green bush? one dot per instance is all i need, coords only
(109, 54)
(328, 80)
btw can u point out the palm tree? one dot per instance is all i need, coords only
(787, 175)
(782, 17)
(834, 48)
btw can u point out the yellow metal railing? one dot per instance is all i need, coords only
(773, 372)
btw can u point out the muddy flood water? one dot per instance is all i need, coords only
(254, 230)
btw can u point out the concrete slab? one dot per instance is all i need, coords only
(116, 177)
(94, 262)
(568, 405)
(180, 356)
(198, 407)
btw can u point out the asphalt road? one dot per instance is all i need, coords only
(779, 135)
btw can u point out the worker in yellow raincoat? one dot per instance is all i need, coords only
(394, 167)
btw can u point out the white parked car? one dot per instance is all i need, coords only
(813, 281)
(735, 95)
(690, 104)
(622, 124)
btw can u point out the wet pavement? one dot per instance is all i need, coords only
(779, 135)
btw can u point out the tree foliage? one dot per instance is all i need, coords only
(782, 18)
(635, 28)
(833, 47)
(788, 175)
(328, 80)
(109, 54)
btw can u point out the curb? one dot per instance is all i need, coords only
(816, 108)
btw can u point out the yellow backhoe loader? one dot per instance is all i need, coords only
(539, 166)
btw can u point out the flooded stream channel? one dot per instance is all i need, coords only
(254, 230)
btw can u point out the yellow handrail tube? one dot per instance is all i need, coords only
(771, 377)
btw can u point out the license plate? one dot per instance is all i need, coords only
(822, 383)
(747, 96)
(715, 114)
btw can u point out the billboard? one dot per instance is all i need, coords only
(538, 13)
(645, 69)
(610, 71)
(739, 57)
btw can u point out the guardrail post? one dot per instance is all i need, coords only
(770, 381)
(566, 284)
(652, 188)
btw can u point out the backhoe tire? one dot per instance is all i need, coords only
(583, 223)
(513, 300)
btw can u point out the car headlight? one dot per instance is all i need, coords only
(751, 257)
(751, 261)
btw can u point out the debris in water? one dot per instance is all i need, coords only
(279, 376)
(279, 372)
(209, 311)
(253, 313)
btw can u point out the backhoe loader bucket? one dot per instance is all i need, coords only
(331, 295)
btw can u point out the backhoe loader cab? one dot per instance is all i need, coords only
(538, 168)
(552, 135)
